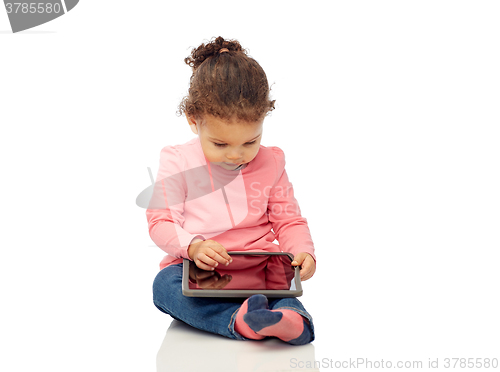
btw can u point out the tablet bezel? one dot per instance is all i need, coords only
(280, 293)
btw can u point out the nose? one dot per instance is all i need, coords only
(234, 155)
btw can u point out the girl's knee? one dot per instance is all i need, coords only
(166, 281)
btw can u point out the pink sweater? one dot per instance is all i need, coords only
(242, 210)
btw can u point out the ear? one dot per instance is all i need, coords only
(192, 124)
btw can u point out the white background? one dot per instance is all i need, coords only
(388, 113)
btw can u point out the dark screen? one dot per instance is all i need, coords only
(261, 272)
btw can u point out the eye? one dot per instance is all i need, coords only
(250, 143)
(219, 144)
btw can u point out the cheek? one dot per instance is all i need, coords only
(253, 153)
(213, 155)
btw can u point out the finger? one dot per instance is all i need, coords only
(203, 266)
(297, 261)
(224, 257)
(305, 274)
(208, 258)
(220, 257)
(310, 275)
(304, 269)
(308, 270)
(205, 263)
(211, 258)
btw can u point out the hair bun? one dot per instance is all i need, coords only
(213, 48)
(226, 83)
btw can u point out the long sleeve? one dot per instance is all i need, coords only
(165, 214)
(241, 210)
(290, 228)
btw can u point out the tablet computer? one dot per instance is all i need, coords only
(267, 273)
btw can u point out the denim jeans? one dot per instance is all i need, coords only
(216, 315)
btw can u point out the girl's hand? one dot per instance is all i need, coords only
(208, 254)
(306, 263)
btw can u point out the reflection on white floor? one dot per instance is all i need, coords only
(187, 349)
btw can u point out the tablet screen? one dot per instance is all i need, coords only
(247, 272)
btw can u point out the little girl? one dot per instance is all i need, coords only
(222, 191)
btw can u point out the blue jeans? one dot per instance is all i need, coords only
(216, 315)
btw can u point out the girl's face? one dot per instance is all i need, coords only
(227, 144)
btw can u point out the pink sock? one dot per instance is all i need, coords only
(255, 321)
(256, 302)
(289, 324)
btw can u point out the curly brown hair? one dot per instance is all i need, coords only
(227, 84)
